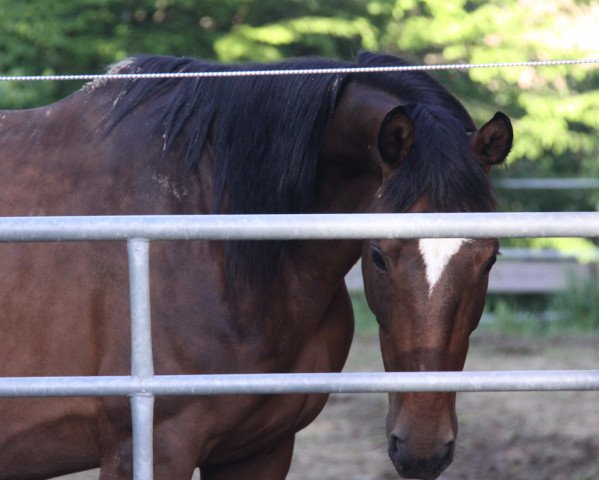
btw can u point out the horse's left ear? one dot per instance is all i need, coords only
(493, 141)
(396, 137)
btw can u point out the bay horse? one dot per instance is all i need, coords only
(330, 143)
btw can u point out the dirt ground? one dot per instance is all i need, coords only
(503, 436)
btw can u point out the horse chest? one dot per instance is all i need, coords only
(263, 421)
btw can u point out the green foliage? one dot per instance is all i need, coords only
(507, 318)
(268, 43)
(84, 36)
(365, 322)
(578, 306)
(572, 311)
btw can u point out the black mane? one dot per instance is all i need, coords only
(441, 162)
(264, 131)
(265, 134)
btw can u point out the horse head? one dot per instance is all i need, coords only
(428, 295)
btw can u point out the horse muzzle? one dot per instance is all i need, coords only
(409, 464)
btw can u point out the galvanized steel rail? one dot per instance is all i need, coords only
(297, 227)
(143, 385)
(287, 383)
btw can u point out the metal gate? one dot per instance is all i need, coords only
(142, 385)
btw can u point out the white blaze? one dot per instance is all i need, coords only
(436, 253)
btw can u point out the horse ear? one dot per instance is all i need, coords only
(493, 141)
(396, 136)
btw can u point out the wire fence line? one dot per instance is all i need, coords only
(300, 71)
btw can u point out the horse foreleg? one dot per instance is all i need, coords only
(272, 464)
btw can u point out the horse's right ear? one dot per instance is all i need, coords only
(397, 136)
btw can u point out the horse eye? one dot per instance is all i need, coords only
(489, 264)
(378, 259)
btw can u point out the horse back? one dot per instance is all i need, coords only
(57, 160)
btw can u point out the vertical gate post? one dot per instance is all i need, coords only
(142, 364)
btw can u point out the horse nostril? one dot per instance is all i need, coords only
(448, 456)
(395, 447)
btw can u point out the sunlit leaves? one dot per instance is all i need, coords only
(246, 42)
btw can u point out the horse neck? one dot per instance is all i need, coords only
(350, 162)
(349, 177)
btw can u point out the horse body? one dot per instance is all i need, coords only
(64, 308)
